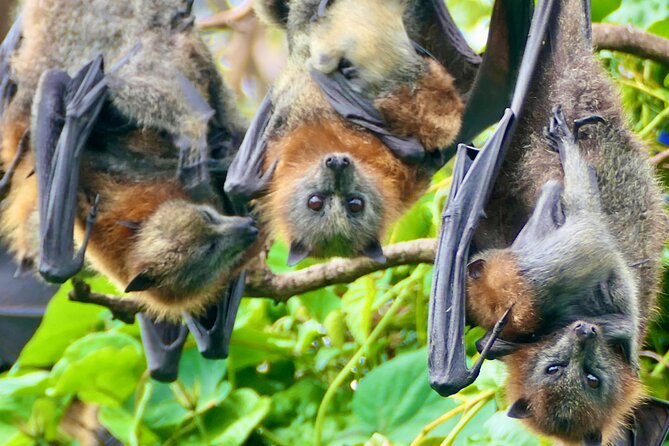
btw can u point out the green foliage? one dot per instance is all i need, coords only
(345, 365)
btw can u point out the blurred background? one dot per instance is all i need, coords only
(345, 364)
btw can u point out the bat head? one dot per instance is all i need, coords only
(334, 191)
(574, 385)
(185, 249)
(336, 211)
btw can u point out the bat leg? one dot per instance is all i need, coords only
(246, 179)
(163, 343)
(6, 181)
(193, 168)
(213, 330)
(548, 216)
(58, 148)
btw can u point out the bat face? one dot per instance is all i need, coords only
(335, 210)
(184, 249)
(574, 386)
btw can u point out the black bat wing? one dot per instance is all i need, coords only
(651, 424)
(361, 111)
(22, 304)
(66, 112)
(496, 77)
(447, 359)
(163, 343)
(9, 45)
(246, 177)
(431, 25)
(212, 331)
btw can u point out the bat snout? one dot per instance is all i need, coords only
(585, 330)
(243, 228)
(337, 163)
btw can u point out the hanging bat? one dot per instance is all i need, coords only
(567, 303)
(129, 161)
(350, 134)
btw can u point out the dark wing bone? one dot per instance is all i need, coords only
(246, 179)
(447, 359)
(11, 42)
(163, 342)
(212, 331)
(58, 145)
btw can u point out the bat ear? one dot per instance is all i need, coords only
(374, 251)
(476, 268)
(298, 252)
(520, 409)
(593, 439)
(142, 282)
(273, 12)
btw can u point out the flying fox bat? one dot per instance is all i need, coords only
(525, 293)
(353, 128)
(129, 161)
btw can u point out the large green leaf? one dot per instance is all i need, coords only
(500, 430)
(232, 422)
(63, 323)
(120, 424)
(396, 400)
(203, 379)
(101, 368)
(640, 13)
(602, 8)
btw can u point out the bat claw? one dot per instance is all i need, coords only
(579, 123)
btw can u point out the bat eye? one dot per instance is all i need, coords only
(356, 205)
(211, 249)
(316, 203)
(593, 381)
(552, 369)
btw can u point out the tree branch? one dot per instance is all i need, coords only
(123, 309)
(280, 287)
(630, 40)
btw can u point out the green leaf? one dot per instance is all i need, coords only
(232, 422)
(396, 400)
(34, 383)
(357, 307)
(63, 323)
(661, 28)
(163, 411)
(120, 424)
(602, 8)
(101, 368)
(500, 430)
(321, 303)
(640, 13)
(203, 379)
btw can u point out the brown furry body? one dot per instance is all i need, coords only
(631, 210)
(416, 97)
(131, 158)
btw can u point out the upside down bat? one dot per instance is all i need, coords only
(129, 159)
(352, 130)
(562, 270)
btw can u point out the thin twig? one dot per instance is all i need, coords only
(229, 17)
(123, 309)
(660, 157)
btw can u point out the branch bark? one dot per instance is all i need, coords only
(229, 17)
(281, 287)
(630, 40)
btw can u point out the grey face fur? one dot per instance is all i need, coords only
(337, 211)
(189, 247)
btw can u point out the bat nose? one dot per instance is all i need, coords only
(337, 162)
(245, 228)
(584, 330)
